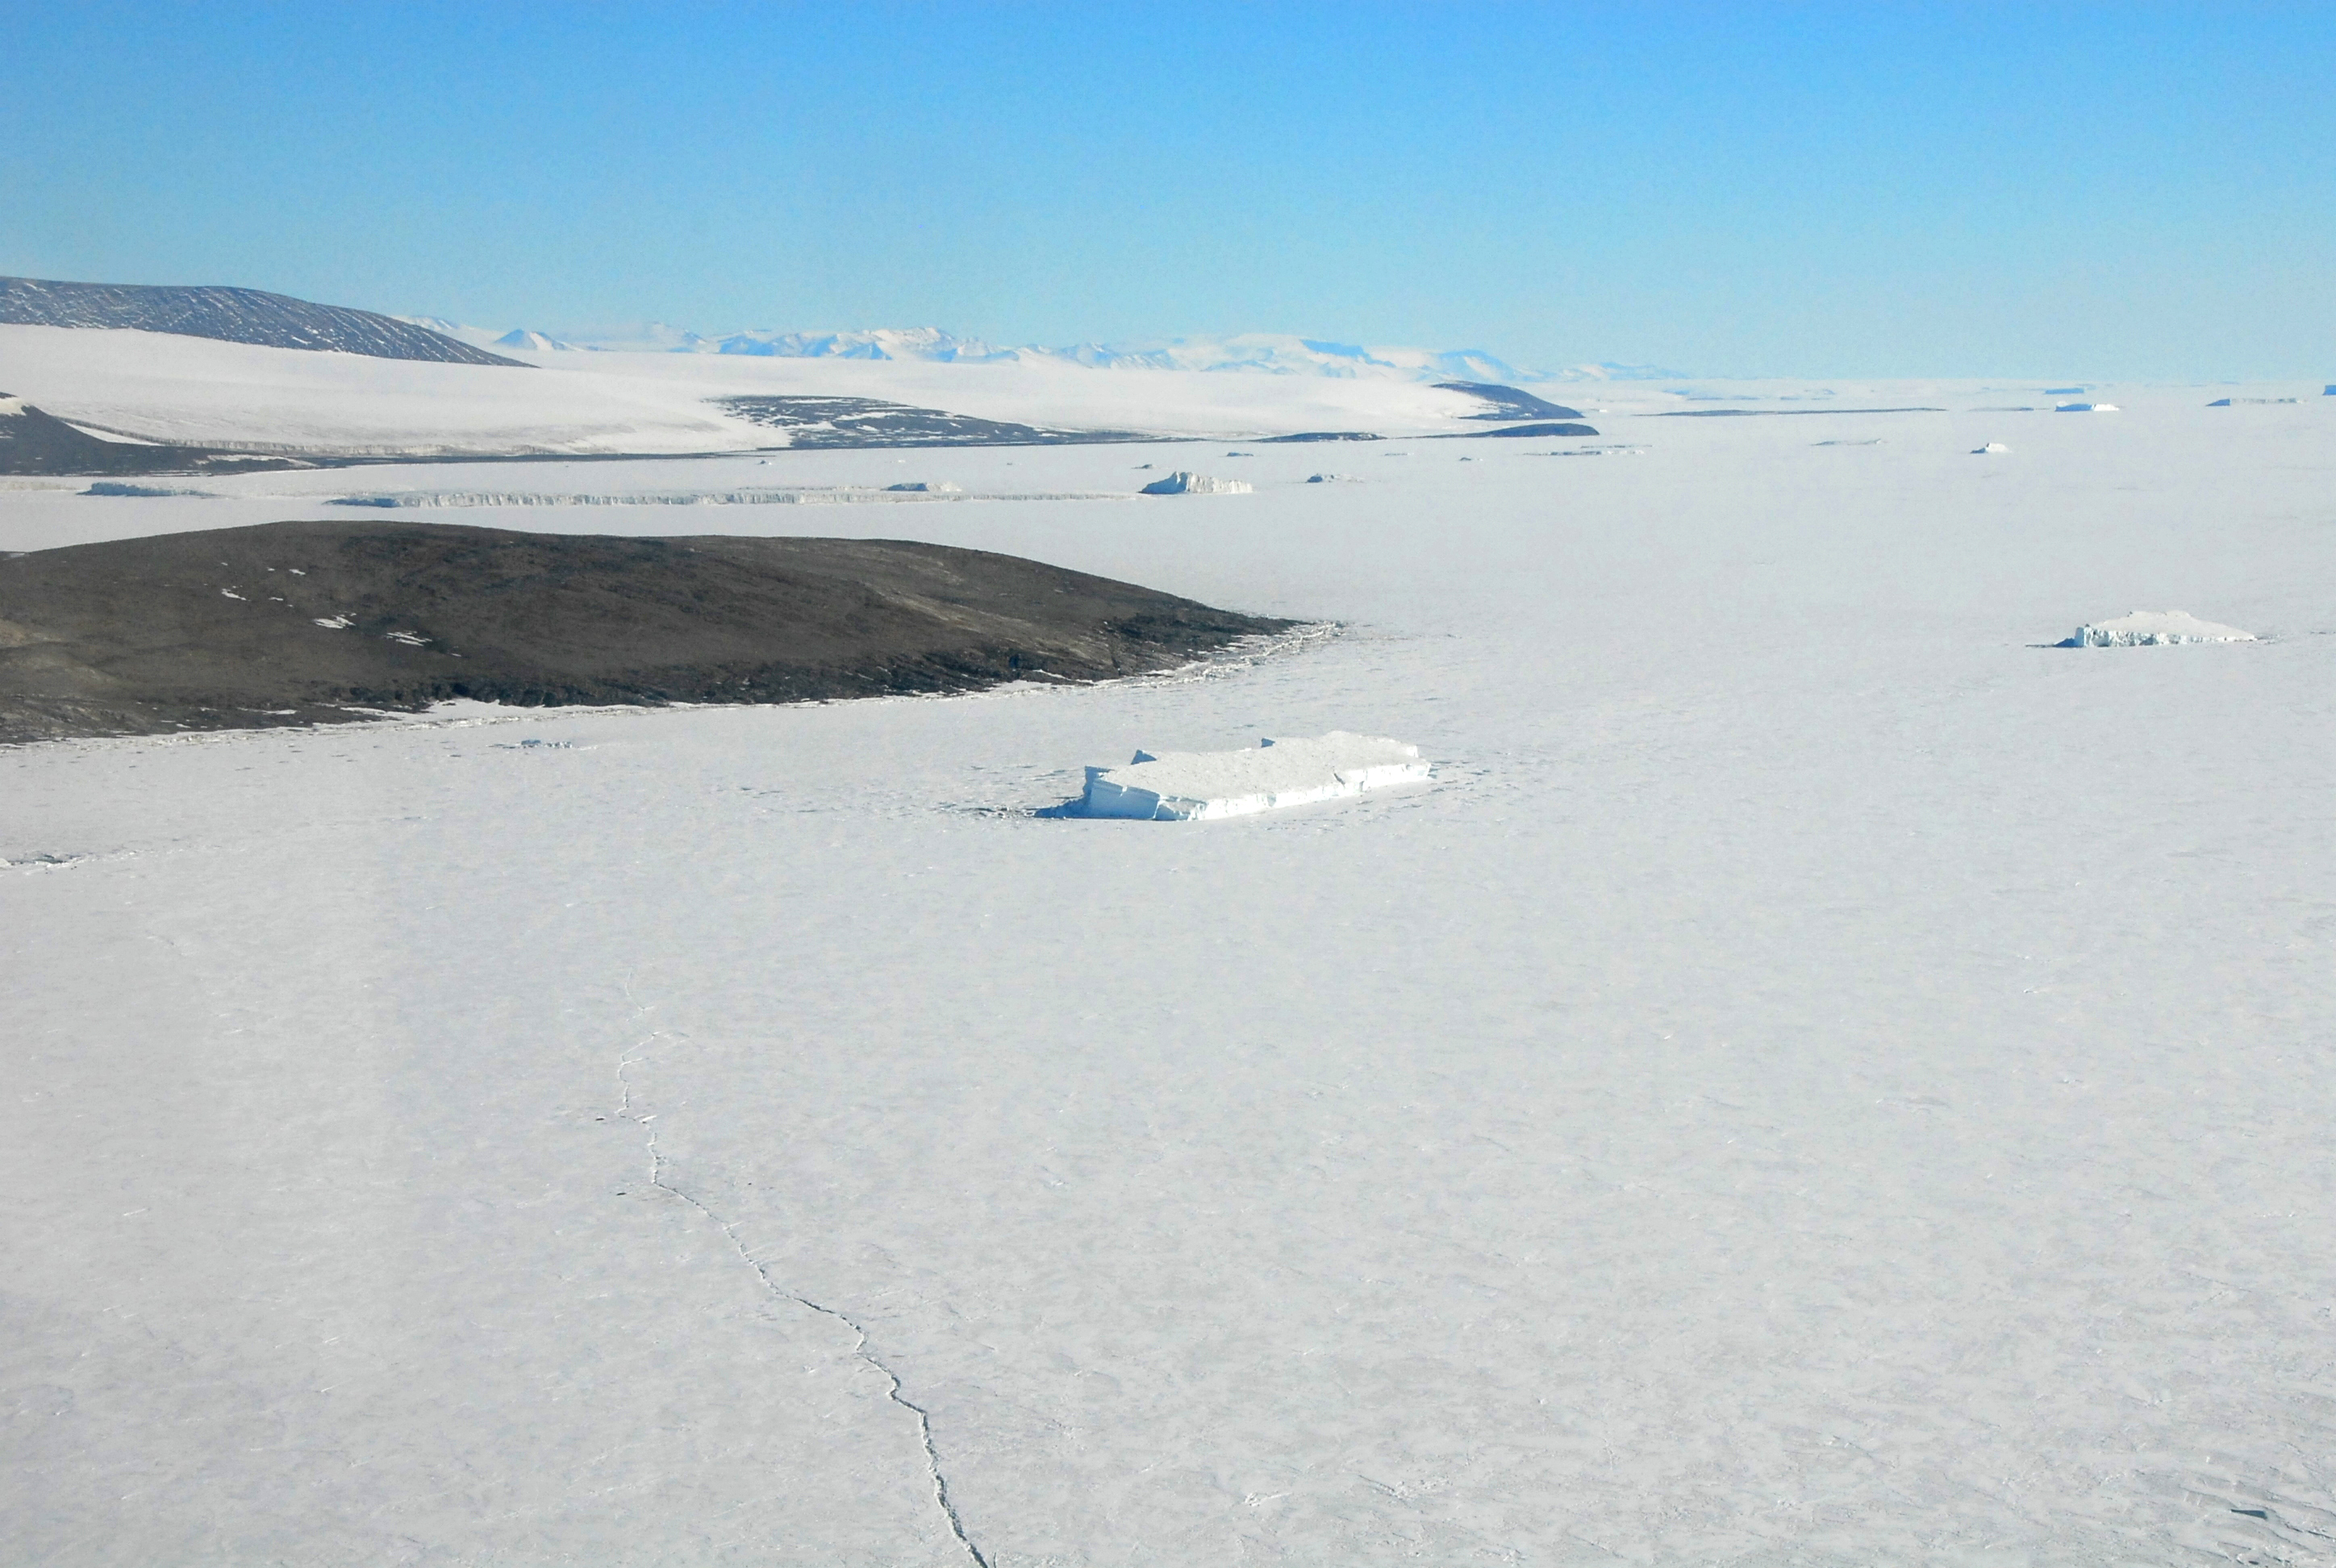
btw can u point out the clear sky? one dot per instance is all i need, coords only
(1857, 190)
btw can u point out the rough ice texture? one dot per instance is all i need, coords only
(2145, 628)
(1193, 786)
(1182, 482)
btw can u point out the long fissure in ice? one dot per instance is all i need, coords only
(860, 1349)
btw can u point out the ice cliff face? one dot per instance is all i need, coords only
(1195, 786)
(230, 316)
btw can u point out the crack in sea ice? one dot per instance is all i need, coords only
(894, 1390)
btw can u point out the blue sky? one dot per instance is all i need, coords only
(1869, 189)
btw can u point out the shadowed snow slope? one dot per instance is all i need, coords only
(1815, 1081)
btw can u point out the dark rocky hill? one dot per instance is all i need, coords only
(301, 622)
(812, 422)
(232, 315)
(1508, 401)
(32, 441)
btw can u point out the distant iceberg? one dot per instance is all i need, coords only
(2151, 627)
(1184, 482)
(1197, 786)
(2085, 408)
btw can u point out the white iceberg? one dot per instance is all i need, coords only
(2085, 408)
(2150, 628)
(1196, 786)
(1990, 449)
(1184, 482)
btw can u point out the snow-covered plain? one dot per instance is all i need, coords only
(157, 387)
(1817, 1077)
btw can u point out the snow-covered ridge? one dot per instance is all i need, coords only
(1196, 786)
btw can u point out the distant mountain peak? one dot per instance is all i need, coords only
(520, 338)
(1253, 353)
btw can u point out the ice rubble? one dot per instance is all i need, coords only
(1185, 482)
(1195, 786)
(2147, 627)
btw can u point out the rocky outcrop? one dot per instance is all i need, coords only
(309, 622)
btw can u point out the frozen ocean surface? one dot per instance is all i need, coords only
(1815, 1079)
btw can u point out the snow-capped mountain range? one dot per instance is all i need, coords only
(1267, 353)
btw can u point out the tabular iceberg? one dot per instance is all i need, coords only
(1183, 481)
(1194, 786)
(2148, 627)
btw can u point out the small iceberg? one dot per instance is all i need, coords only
(2084, 408)
(2152, 628)
(1990, 449)
(1198, 787)
(926, 487)
(1184, 482)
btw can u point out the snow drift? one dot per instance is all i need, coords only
(1194, 786)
